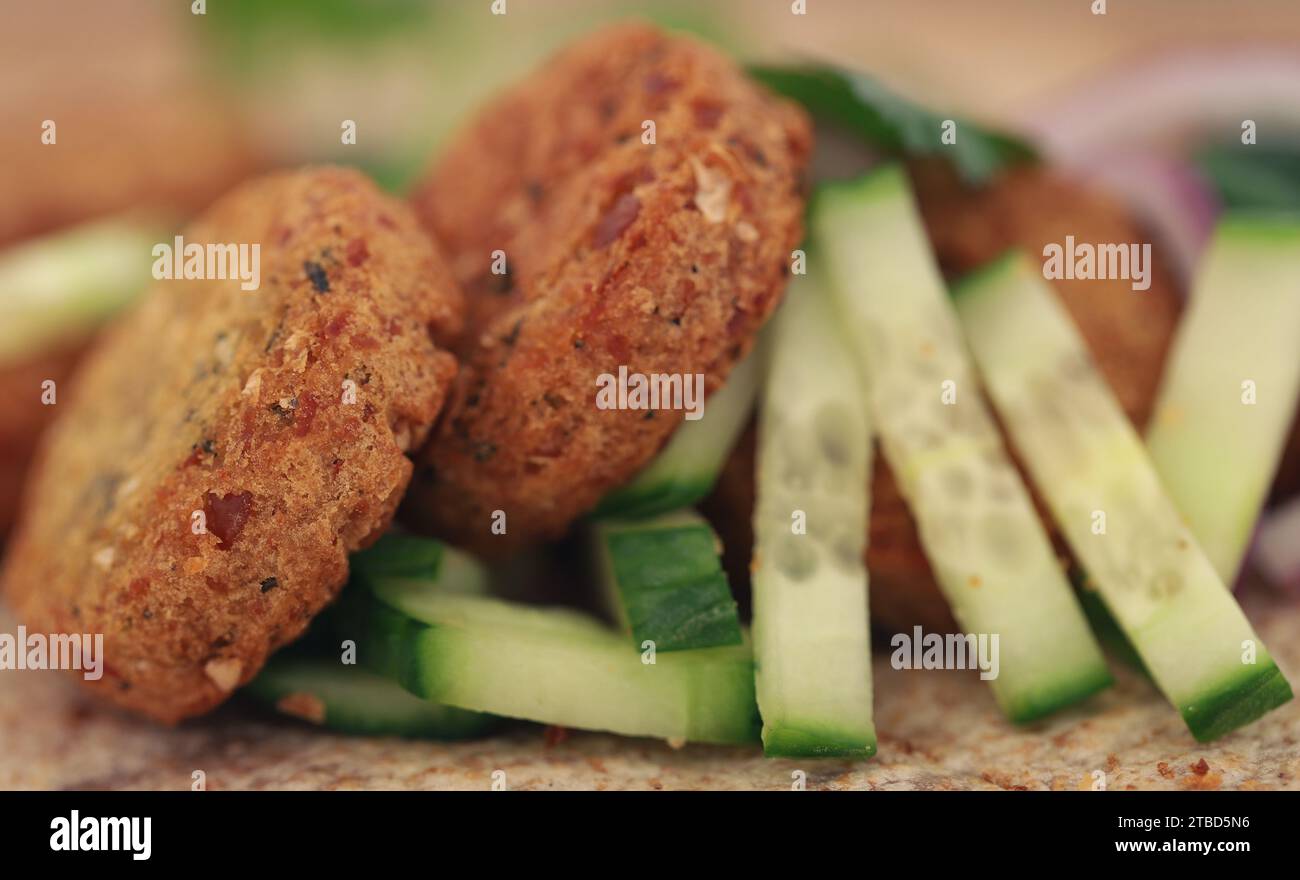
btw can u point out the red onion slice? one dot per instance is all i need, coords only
(1277, 547)
(1167, 194)
(1130, 131)
(1172, 103)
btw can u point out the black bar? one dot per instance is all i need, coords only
(330, 829)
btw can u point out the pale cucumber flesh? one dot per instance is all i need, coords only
(552, 666)
(1228, 397)
(1102, 488)
(811, 638)
(977, 524)
(62, 286)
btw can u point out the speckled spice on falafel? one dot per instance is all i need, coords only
(665, 257)
(206, 398)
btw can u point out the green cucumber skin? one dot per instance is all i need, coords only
(383, 709)
(792, 739)
(655, 496)
(1064, 692)
(668, 583)
(1237, 703)
(1050, 658)
(1216, 456)
(711, 692)
(399, 555)
(697, 615)
(1106, 627)
(1214, 692)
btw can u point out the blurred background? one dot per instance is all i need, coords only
(407, 70)
(138, 114)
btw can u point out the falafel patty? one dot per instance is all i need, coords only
(25, 417)
(646, 197)
(223, 450)
(169, 153)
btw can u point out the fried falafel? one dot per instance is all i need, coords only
(221, 451)
(170, 153)
(26, 416)
(653, 229)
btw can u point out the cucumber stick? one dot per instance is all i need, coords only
(1102, 488)
(686, 469)
(353, 700)
(1229, 392)
(811, 640)
(396, 555)
(63, 285)
(663, 581)
(990, 554)
(549, 665)
(315, 686)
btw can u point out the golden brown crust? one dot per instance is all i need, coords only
(169, 152)
(25, 416)
(207, 398)
(663, 257)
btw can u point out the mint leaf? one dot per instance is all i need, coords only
(891, 123)
(1250, 176)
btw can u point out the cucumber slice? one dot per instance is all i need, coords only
(685, 471)
(316, 687)
(353, 700)
(990, 554)
(664, 583)
(1088, 460)
(1103, 623)
(550, 665)
(1215, 454)
(396, 556)
(811, 637)
(62, 286)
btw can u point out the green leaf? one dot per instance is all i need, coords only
(891, 123)
(1250, 176)
(394, 173)
(338, 20)
(399, 556)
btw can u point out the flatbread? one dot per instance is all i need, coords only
(937, 730)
